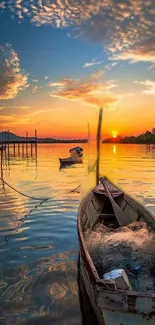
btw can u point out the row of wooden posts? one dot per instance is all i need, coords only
(17, 144)
(18, 148)
(6, 138)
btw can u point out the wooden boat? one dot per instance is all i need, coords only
(76, 157)
(112, 307)
(71, 160)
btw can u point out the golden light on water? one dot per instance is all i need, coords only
(114, 149)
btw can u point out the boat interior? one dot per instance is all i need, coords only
(99, 211)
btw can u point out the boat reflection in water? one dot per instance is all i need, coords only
(76, 157)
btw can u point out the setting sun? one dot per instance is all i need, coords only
(114, 134)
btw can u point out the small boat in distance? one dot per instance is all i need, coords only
(76, 157)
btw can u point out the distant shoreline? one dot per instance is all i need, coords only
(9, 137)
(145, 138)
(46, 141)
(63, 141)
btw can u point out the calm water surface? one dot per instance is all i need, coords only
(38, 241)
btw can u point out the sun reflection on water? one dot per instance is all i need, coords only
(114, 149)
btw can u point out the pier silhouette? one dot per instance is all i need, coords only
(25, 149)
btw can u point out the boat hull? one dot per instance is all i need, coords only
(113, 307)
(90, 289)
(113, 316)
(70, 161)
(87, 311)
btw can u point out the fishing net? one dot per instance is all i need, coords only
(131, 248)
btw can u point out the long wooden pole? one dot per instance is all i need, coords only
(98, 145)
(88, 132)
(88, 147)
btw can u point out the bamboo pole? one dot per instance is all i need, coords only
(18, 148)
(88, 132)
(35, 137)
(1, 162)
(88, 146)
(26, 144)
(8, 143)
(98, 145)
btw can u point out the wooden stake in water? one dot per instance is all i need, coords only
(98, 146)
(1, 162)
(88, 147)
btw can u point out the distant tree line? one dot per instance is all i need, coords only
(144, 138)
(11, 137)
(48, 140)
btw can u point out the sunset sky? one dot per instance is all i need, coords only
(61, 59)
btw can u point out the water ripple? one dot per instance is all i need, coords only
(39, 243)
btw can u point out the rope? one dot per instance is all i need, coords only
(22, 219)
(75, 189)
(30, 197)
(92, 167)
(33, 198)
(41, 199)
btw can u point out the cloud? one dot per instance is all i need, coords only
(15, 110)
(125, 28)
(152, 66)
(21, 107)
(41, 111)
(142, 51)
(12, 78)
(2, 5)
(96, 75)
(128, 94)
(149, 84)
(92, 63)
(34, 89)
(14, 116)
(89, 91)
(14, 120)
(110, 65)
(60, 13)
(62, 82)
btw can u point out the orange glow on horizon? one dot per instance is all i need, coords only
(70, 121)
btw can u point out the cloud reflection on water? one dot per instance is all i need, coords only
(42, 291)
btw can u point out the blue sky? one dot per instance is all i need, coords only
(62, 60)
